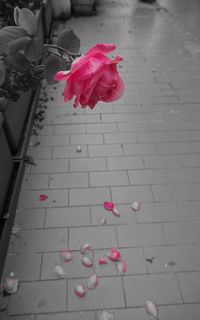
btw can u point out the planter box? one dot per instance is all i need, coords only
(84, 7)
(15, 115)
(40, 24)
(61, 9)
(6, 165)
(47, 17)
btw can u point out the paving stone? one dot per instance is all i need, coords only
(158, 212)
(185, 135)
(67, 217)
(69, 152)
(102, 297)
(69, 129)
(54, 140)
(101, 127)
(140, 149)
(56, 198)
(70, 119)
(40, 152)
(151, 176)
(37, 181)
(152, 136)
(26, 267)
(127, 215)
(125, 162)
(134, 258)
(112, 178)
(140, 235)
(183, 312)
(118, 117)
(107, 269)
(50, 166)
(30, 218)
(31, 317)
(130, 127)
(173, 258)
(86, 139)
(73, 269)
(43, 240)
(105, 150)
(88, 196)
(87, 164)
(182, 232)
(68, 316)
(183, 175)
(128, 314)
(99, 237)
(68, 180)
(161, 288)
(190, 160)
(130, 194)
(39, 297)
(175, 147)
(161, 161)
(176, 192)
(189, 210)
(196, 146)
(189, 284)
(120, 137)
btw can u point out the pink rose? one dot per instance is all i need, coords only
(93, 77)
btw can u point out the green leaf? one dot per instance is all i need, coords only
(69, 40)
(34, 50)
(2, 72)
(18, 61)
(16, 15)
(10, 34)
(53, 64)
(27, 20)
(17, 45)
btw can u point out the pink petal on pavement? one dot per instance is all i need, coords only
(114, 254)
(121, 267)
(85, 248)
(102, 261)
(92, 282)
(80, 290)
(116, 212)
(152, 309)
(108, 205)
(87, 262)
(43, 197)
(66, 256)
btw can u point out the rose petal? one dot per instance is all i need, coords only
(106, 315)
(135, 206)
(78, 148)
(43, 197)
(85, 248)
(66, 256)
(80, 290)
(59, 272)
(92, 282)
(121, 267)
(114, 254)
(152, 309)
(103, 220)
(108, 205)
(11, 284)
(87, 262)
(102, 261)
(115, 212)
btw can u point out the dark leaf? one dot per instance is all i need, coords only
(17, 45)
(53, 64)
(27, 20)
(69, 40)
(10, 34)
(34, 50)
(2, 72)
(18, 61)
(29, 160)
(16, 15)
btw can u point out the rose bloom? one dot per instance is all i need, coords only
(93, 77)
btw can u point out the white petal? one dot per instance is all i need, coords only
(80, 290)
(59, 272)
(78, 148)
(152, 309)
(92, 282)
(87, 262)
(85, 248)
(106, 316)
(103, 220)
(135, 206)
(66, 256)
(116, 212)
(11, 284)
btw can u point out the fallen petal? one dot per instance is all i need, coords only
(92, 282)
(43, 197)
(78, 148)
(108, 205)
(85, 248)
(135, 206)
(11, 284)
(80, 290)
(66, 256)
(121, 267)
(87, 262)
(114, 254)
(106, 315)
(59, 272)
(102, 261)
(116, 212)
(103, 220)
(152, 309)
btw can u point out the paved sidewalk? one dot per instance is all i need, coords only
(146, 148)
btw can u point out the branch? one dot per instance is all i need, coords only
(53, 46)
